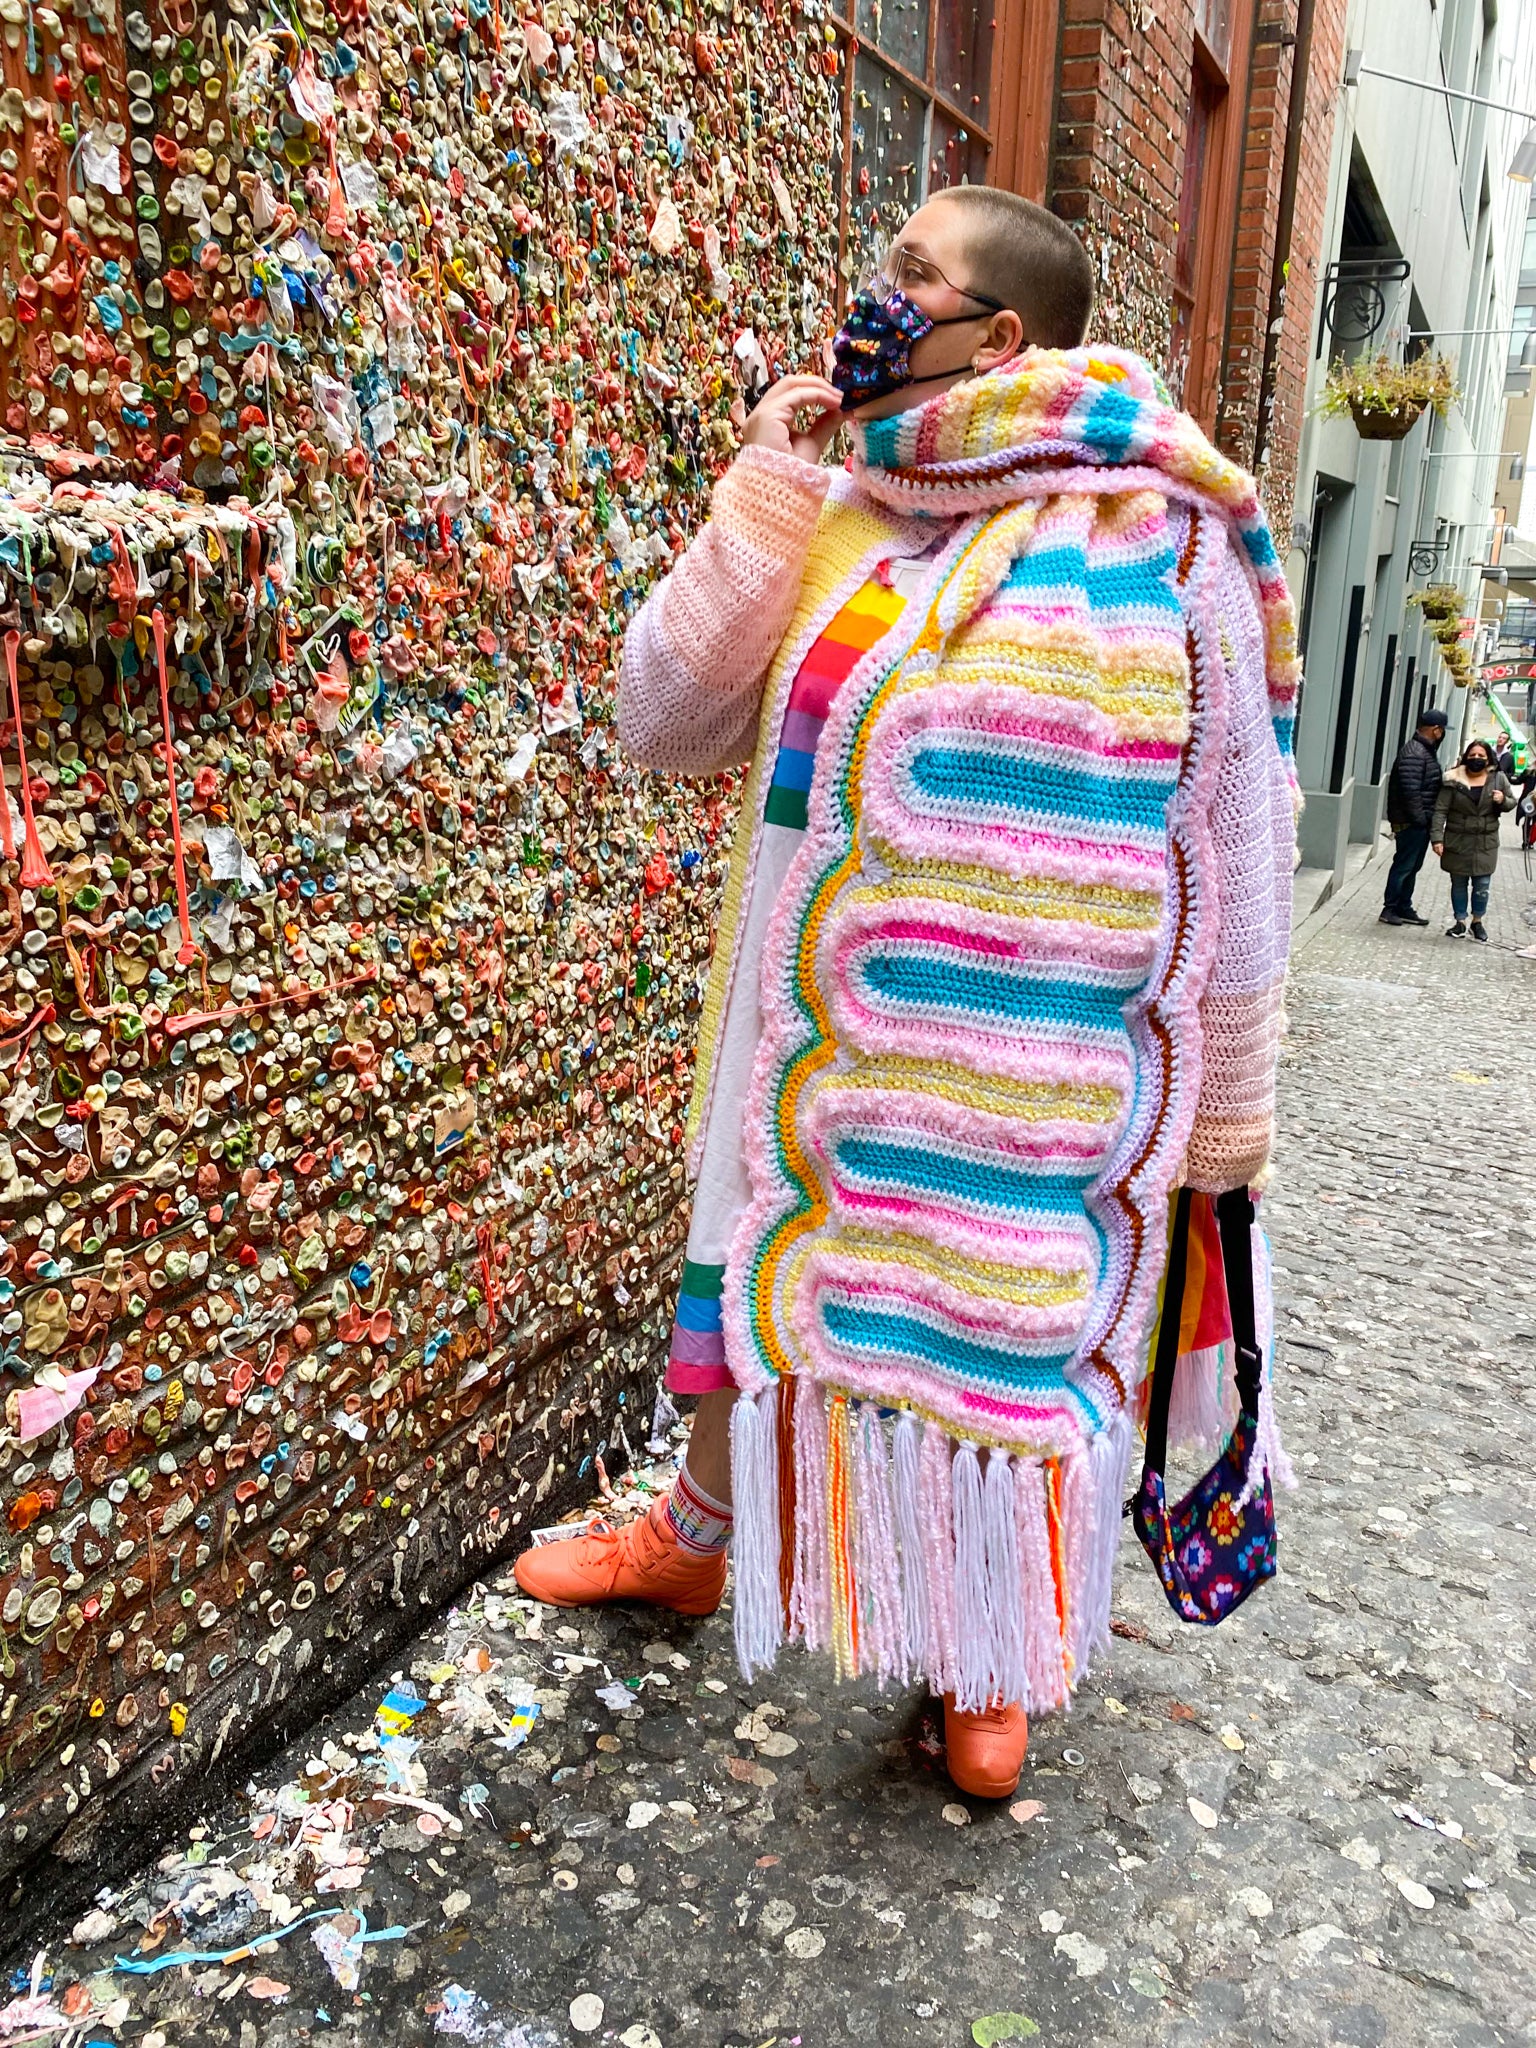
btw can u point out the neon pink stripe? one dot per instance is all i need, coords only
(696, 1379)
(943, 935)
(904, 1207)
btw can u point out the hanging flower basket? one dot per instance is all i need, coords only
(1376, 423)
(1386, 399)
(1438, 601)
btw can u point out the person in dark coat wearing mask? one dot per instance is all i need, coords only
(1412, 789)
(1464, 832)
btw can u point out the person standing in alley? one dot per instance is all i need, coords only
(1411, 791)
(1474, 800)
(1000, 965)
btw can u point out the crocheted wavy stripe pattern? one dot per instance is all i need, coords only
(985, 905)
(981, 1054)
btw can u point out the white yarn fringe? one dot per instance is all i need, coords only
(759, 1610)
(1110, 1457)
(1045, 1668)
(877, 1562)
(950, 1546)
(936, 1513)
(1269, 1452)
(810, 1600)
(1195, 1407)
(908, 1440)
(989, 1591)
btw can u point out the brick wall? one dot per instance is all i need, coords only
(1253, 272)
(1119, 154)
(1116, 172)
(1257, 226)
(1308, 260)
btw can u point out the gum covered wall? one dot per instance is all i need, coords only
(362, 365)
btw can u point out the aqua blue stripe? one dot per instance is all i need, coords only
(1285, 731)
(1111, 425)
(1015, 782)
(792, 770)
(1261, 547)
(696, 1314)
(1146, 584)
(880, 449)
(1019, 998)
(884, 1332)
(913, 1169)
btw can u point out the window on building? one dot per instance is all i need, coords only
(1213, 21)
(917, 110)
(1205, 106)
(1528, 255)
(1208, 188)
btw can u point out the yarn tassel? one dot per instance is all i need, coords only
(810, 1608)
(907, 1486)
(1194, 1408)
(1005, 1585)
(877, 1566)
(1077, 1552)
(973, 1646)
(1269, 1453)
(759, 1613)
(784, 1416)
(845, 1620)
(989, 1617)
(1109, 1456)
(936, 1506)
(1042, 1629)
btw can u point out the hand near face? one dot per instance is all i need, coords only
(772, 424)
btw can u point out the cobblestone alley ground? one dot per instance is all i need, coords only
(1313, 1825)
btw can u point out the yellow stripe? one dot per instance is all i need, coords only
(873, 600)
(1074, 902)
(1030, 1101)
(1027, 1286)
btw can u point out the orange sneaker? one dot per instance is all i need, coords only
(985, 1752)
(643, 1562)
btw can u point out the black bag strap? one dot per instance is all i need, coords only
(1164, 1364)
(1234, 1219)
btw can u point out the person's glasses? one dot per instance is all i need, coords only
(902, 270)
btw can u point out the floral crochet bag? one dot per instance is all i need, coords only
(1212, 1548)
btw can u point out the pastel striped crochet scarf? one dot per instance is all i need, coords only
(976, 1082)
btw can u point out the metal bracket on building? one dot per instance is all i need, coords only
(1363, 279)
(1424, 556)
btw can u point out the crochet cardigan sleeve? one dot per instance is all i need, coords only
(1253, 830)
(698, 650)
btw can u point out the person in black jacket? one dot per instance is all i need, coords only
(1412, 789)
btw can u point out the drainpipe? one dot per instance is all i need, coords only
(1290, 176)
